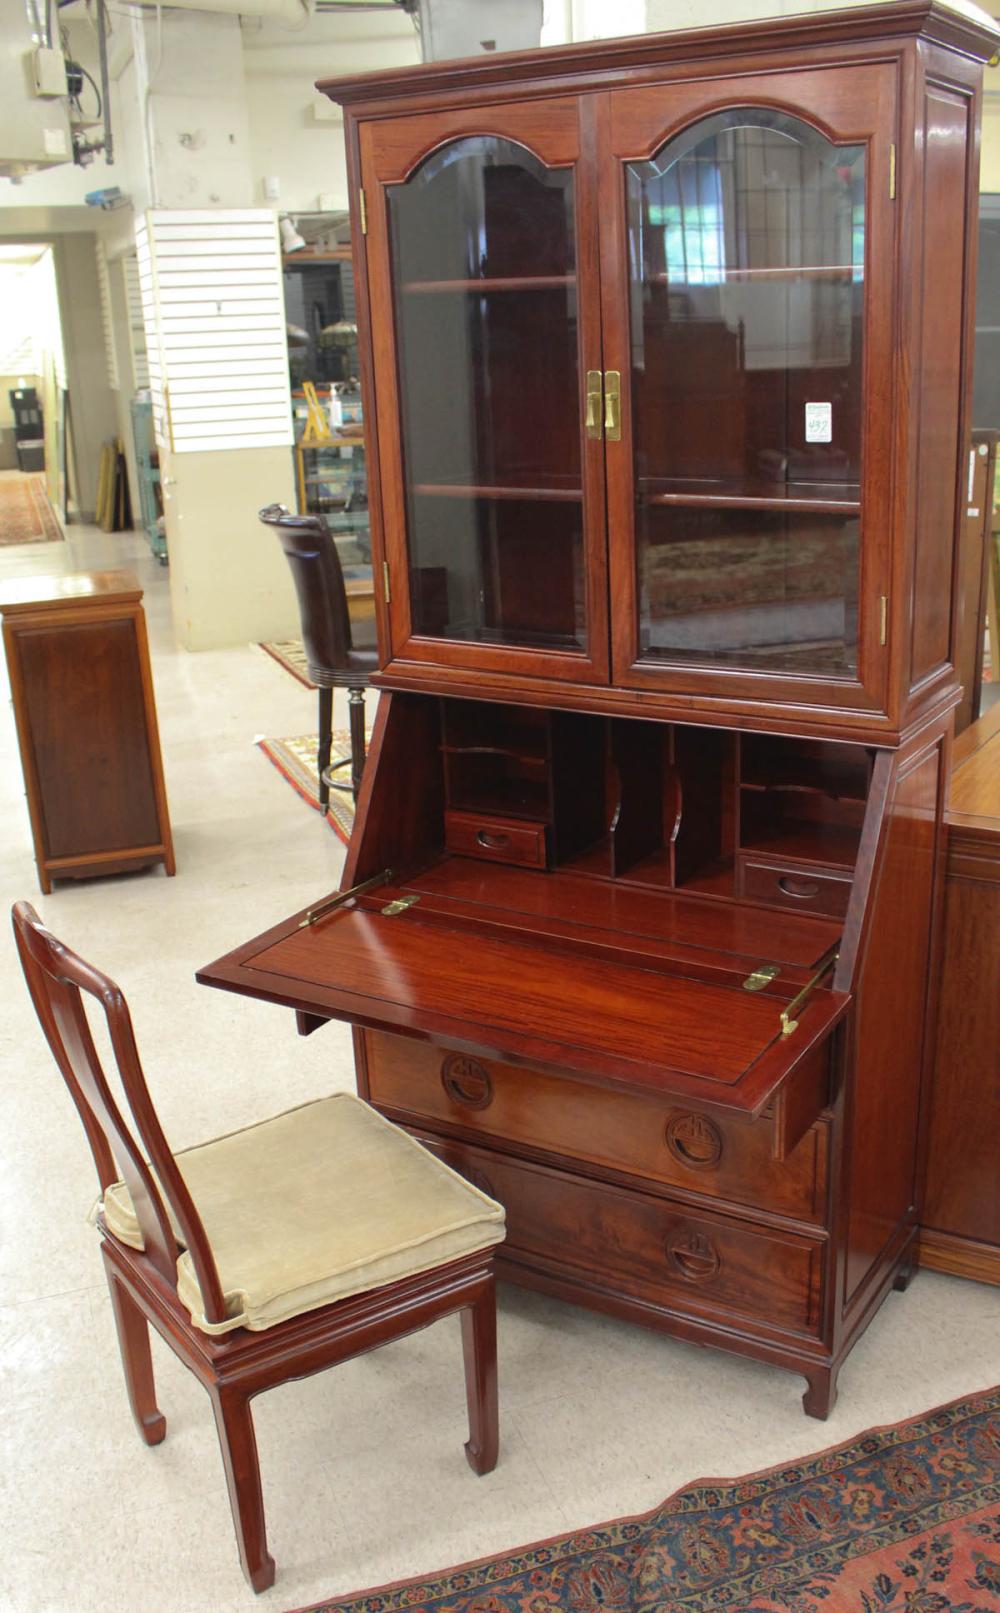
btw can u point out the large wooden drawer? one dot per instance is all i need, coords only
(635, 1133)
(653, 1250)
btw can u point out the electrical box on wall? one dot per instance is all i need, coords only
(34, 122)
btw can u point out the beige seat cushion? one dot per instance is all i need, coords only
(318, 1203)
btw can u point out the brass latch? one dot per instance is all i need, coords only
(761, 977)
(398, 906)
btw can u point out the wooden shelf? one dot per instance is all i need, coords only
(810, 843)
(724, 276)
(792, 497)
(528, 282)
(302, 260)
(566, 495)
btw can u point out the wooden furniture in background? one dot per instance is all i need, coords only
(78, 661)
(153, 1195)
(975, 580)
(960, 1229)
(641, 909)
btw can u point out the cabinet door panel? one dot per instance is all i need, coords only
(482, 274)
(749, 496)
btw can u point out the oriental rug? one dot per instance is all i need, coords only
(290, 654)
(903, 1519)
(26, 516)
(295, 760)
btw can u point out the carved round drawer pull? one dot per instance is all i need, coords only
(694, 1141)
(466, 1081)
(694, 1257)
(803, 889)
(491, 841)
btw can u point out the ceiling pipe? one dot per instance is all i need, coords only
(294, 13)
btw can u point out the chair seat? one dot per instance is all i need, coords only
(324, 1201)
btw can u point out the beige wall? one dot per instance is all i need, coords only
(989, 173)
(229, 581)
(92, 406)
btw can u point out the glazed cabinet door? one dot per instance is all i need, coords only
(747, 252)
(485, 313)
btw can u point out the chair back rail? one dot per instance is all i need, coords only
(56, 978)
(319, 584)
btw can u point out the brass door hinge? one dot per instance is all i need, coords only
(386, 595)
(892, 171)
(761, 977)
(883, 619)
(399, 905)
(363, 209)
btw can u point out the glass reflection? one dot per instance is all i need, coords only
(483, 259)
(746, 242)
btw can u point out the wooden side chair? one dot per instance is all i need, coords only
(327, 637)
(268, 1254)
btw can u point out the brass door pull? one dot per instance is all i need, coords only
(613, 406)
(595, 393)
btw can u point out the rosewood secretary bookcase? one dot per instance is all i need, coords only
(668, 342)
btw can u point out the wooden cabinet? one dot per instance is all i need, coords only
(639, 917)
(961, 1214)
(661, 406)
(86, 724)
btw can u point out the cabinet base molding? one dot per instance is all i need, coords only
(961, 1257)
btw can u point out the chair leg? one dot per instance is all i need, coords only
(325, 744)
(356, 712)
(239, 1456)
(479, 1346)
(133, 1341)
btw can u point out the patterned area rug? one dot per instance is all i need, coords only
(288, 652)
(904, 1519)
(295, 760)
(26, 516)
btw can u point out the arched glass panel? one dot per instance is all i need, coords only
(746, 241)
(484, 279)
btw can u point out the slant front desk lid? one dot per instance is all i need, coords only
(666, 1015)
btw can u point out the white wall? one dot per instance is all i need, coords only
(286, 141)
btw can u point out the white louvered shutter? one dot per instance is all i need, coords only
(136, 323)
(213, 308)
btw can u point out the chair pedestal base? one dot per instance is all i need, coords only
(356, 760)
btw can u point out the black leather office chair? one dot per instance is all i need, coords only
(333, 661)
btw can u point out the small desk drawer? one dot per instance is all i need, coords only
(795, 886)
(502, 840)
(652, 1137)
(650, 1249)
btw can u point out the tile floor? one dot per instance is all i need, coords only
(363, 1470)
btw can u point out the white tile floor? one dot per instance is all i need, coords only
(363, 1470)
